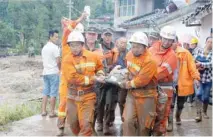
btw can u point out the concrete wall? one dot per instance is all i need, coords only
(141, 7)
(205, 29)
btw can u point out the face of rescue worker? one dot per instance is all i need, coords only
(91, 37)
(137, 49)
(54, 38)
(186, 45)
(209, 43)
(192, 46)
(122, 44)
(167, 43)
(107, 37)
(152, 40)
(76, 48)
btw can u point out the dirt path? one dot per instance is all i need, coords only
(20, 79)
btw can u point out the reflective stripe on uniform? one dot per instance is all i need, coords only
(100, 72)
(168, 67)
(62, 114)
(136, 67)
(133, 84)
(86, 80)
(70, 27)
(85, 65)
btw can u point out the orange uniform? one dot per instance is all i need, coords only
(140, 107)
(187, 72)
(79, 75)
(68, 26)
(167, 63)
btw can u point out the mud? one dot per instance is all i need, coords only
(20, 79)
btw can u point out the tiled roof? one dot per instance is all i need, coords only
(199, 11)
(143, 19)
(160, 17)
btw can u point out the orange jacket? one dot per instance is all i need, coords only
(68, 26)
(166, 61)
(142, 70)
(187, 72)
(109, 56)
(79, 70)
(97, 50)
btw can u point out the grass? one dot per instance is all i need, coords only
(10, 113)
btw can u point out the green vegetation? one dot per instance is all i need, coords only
(25, 23)
(10, 113)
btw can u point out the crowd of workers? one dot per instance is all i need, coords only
(161, 73)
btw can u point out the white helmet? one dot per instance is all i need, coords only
(75, 36)
(139, 37)
(79, 28)
(168, 32)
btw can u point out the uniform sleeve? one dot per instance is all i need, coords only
(99, 66)
(66, 31)
(145, 75)
(168, 67)
(192, 67)
(73, 77)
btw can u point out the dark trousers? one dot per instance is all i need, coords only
(178, 100)
(107, 100)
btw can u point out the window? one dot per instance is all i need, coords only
(127, 7)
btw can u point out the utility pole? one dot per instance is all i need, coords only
(70, 8)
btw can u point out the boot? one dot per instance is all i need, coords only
(205, 106)
(177, 116)
(106, 130)
(198, 118)
(170, 124)
(99, 126)
(60, 132)
(170, 120)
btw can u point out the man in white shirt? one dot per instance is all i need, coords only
(51, 64)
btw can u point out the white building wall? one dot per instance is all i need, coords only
(205, 29)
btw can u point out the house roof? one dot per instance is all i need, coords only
(198, 13)
(157, 18)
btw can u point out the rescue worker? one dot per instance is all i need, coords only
(194, 49)
(153, 37)
(108, 96)
(140, 108)
(167, 63)
(81, 68)
(186, 75)
(92, 43)
(122, 51)
(67, 26)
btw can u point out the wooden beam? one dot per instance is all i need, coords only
(192, 25)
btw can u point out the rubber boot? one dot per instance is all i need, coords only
(170, 119)
(198, 118)
(205, 106)
(177, 116)
(106, 130)
(60, 132)
(170, 124)
(99, 126)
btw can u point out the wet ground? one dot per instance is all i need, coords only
(44, 126)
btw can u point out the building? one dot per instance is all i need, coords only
(201, 18)
(157, 16)
(127, 9)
